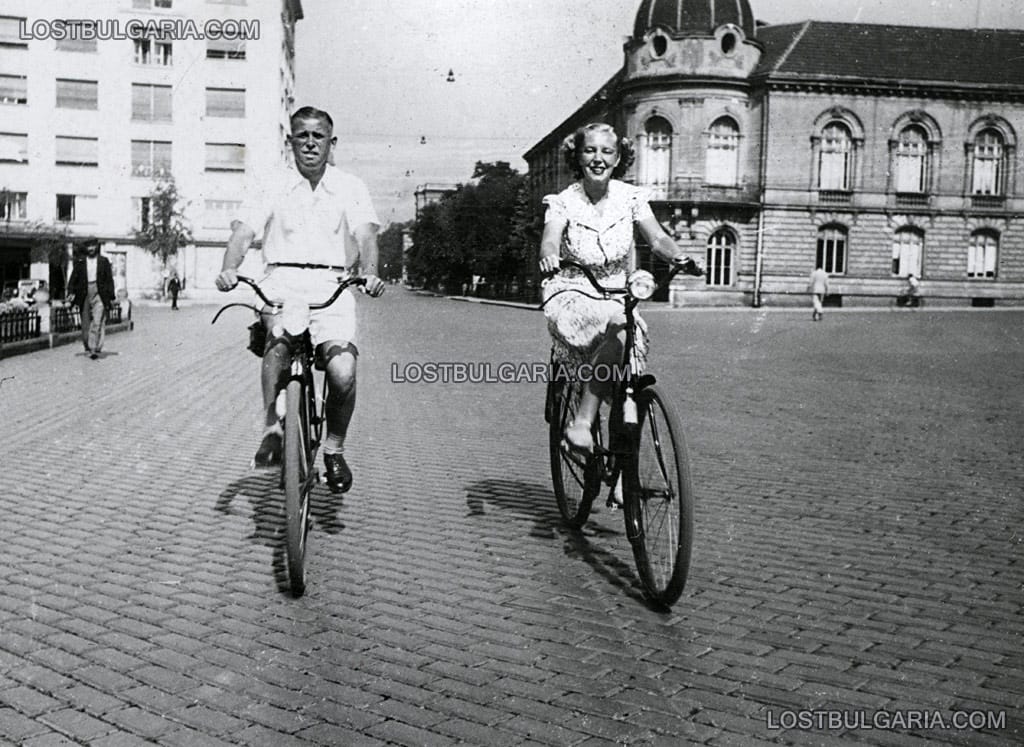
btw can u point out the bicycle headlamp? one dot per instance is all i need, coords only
(641, 284)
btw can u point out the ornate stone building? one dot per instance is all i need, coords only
(875, 151)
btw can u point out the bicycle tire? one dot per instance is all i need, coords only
(658, 496)
(296, 484)
(576, 477)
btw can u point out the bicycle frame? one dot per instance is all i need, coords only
(622, 413)
(302, 415)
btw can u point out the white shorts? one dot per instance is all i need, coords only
(337, 322)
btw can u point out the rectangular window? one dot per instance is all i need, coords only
(77, 151)
(10, 31)
(150, 52)
(12, 205)
(142, 210)
(906, 254)
(151, 158)
(910, 160)
(13, 89)
(225, 157)
(981, 256)
(831, 253)
(65, 208)
(225, 49)
(722, 158)
(78, 44)
(225, 102)
(13, 147)
(719, 265)
(77, 94)
(219, 213)
(151, 103)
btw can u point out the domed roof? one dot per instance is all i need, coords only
(693, 16)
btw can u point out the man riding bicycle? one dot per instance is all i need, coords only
(316, 222)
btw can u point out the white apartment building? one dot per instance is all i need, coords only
(87, 125)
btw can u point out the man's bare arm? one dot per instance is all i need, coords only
(366, 240)
(238, 244)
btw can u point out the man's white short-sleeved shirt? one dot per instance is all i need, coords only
(302, 225)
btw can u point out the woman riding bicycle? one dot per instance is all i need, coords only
(591, 222)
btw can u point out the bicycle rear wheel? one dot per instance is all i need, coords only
(576, 477)
(658, 497)
(297, 483)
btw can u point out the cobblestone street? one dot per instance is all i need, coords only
(858, 551)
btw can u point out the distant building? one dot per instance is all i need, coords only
(427, 194)
(874, 151)
(88, 123)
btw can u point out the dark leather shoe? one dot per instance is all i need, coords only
(339, 476)
(269, 453)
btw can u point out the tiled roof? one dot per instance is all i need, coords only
(819, 50)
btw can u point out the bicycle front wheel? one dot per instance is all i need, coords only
(658, 497)
(297, 484)
(576, 477)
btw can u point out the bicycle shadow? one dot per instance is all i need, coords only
(536, 502)
(262, 490)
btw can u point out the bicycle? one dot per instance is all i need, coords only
(645, 447)
(301, 413)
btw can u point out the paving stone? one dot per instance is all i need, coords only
(447, 603)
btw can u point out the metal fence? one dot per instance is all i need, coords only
(69, 318)
(19, 325)
(65, 319)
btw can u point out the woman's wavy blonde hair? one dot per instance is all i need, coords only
(574, 143)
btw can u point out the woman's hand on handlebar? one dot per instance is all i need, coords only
(227, 280)
(549, 264)
(374, 286)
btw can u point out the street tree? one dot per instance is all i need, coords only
(165, 230)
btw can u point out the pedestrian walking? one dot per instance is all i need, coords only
(819, 289)
(316, 222)
(174, 286)
(91, 288)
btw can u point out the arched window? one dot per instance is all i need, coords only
(722, 157)
(831, 252)
(721, 258)
(654, 167)
(907, 249)
(835, 160)
(911, 160)
(982, 254)
(988, 171)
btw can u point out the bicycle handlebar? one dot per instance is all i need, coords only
(689, 267)
(343, 283)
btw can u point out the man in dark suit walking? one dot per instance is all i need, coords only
(91, 287)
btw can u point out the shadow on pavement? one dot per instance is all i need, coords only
(537, 502)
(262, 489)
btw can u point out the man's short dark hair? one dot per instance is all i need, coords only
(88, 241)
(311, 112)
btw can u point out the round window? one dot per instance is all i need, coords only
(660, 44)
(728, 43)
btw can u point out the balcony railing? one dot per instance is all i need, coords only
(991, 202)
(912, 200)
(834, 197)
(695, 190)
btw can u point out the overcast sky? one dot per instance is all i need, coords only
(520, 67)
